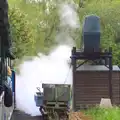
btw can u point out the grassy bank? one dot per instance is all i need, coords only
(104, 114)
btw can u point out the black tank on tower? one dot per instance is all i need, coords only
(91, 34)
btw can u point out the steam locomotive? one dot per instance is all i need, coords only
(6, 57)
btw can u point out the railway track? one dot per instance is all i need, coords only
(18, 115)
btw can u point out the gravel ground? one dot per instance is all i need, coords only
(17, 115)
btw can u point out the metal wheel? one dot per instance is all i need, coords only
(44, 113)
(56, 116)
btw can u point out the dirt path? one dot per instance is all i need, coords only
(17, 115)
(78, 116)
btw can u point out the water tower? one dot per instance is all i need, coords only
(91, 50)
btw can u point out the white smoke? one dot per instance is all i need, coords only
(44, 69)
(69, 22)
(68, 15)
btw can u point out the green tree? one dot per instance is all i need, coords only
(23, 39)
(43, 19)
(44, 25)
(109, 15)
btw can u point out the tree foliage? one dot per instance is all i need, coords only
(35, 25)
(23, 39)
(109, 15)
(43, 21)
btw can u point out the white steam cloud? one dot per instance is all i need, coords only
(46, 69)
(53, 68)
(68, 15)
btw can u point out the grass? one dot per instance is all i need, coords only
(104, 113)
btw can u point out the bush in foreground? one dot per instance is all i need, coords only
(104, 113)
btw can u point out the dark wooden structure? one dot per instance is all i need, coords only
(91, 83)
(79, 55)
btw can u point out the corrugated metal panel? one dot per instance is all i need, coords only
(91, 86)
